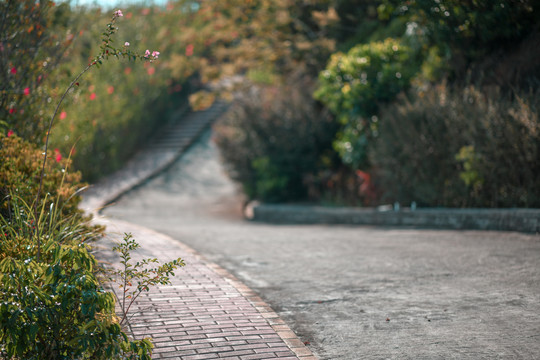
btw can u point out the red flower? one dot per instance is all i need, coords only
(62, 115)
(92, 96)
(27, 91)
(151, 71)
(110, 89)
(13, 70)
(57, 155)
(12, 110)
(189, 50)
(10, 132)
(127, 71)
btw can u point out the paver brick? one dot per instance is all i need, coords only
(200, 357)
(258, 357)
(219, 349)
(281, 348)
(250, 346)
(240, 352)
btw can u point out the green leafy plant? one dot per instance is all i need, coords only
(469, 30)
(353, 86)
(136, 278)
(55, 308)
(32, 44)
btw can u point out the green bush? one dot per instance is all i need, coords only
(20, 175)
(272, 138)
(54, 307)
(51, 304)
(470, 30)
(355, 84)
(32, 39)
(461, 147)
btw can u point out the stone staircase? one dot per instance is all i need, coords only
(165, 148)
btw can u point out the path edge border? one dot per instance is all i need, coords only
(504, 219)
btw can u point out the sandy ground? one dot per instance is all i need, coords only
(356, 292)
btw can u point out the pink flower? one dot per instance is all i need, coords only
(151, 71)
(126, 44)
(118, 13)
(189, 50)
(10, 132)
(62, 115)
(13, 70)
(27, 91)
(110, 89)
(92, 96)
(57, 155)
(147, 53)
(155, 54)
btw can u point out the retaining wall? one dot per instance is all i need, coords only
(521, 220)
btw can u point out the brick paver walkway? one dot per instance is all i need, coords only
(205, 313)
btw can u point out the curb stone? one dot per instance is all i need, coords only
(520, 220)
(194, 317)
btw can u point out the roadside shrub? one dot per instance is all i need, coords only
(52, 307)
(355, 84)
(461, 147)
(469, 29)
(32, 41)
(51, 304)
(272, 138)
(20, 170)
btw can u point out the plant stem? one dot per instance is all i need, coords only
(42, 173)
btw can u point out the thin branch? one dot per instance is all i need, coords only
(42, 174)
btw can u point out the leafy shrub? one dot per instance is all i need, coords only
(52, 307)
(355, 84)
(20, 174)
(31, 44)
(272, 138)
(51, 304)
(469, 29)
(461, 147)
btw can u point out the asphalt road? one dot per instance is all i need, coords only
(357, 292)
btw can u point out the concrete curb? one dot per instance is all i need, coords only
(520, 220)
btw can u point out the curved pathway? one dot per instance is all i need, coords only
(356, 292)
(205, 312)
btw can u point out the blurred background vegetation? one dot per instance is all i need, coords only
(356, 102)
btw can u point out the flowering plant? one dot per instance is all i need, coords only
(107, 50)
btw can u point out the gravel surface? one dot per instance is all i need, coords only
(356, 292)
